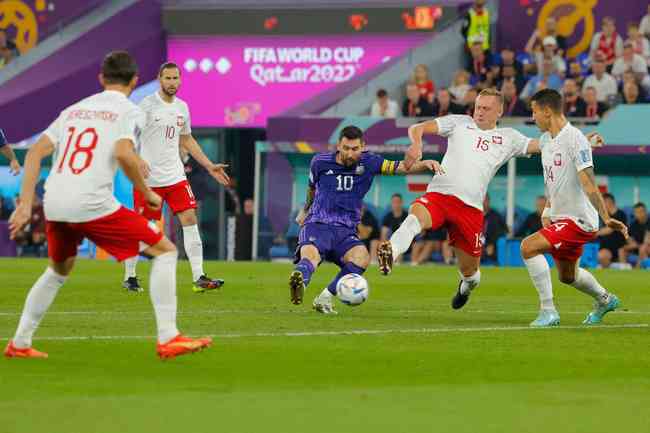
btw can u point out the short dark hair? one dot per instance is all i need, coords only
(351, 133)
(609, 196)
(168, 65)
(119, 67)
(549, 98)
(382, 93)
(639, 204)
(398, 195)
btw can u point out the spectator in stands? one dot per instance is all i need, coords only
(5, 42)
(574, 105)
(429, 242)
(550, 30)
(604, 83)
(547, 78)
(575, 73)
(630, 77)
(508, 58)
(607, 42)
(415, 105)
(631, 94)
(639, 42)
(368, 230)
(611, 242)
(513, 106)
(479, 64)
(493, 228)
(644, 28)
(5, 211)
(392, 220)
(639, 241)
(533, 221)
(550, 52)
(384, 106)
(425, 84)
(630, 61)
(509, 72)
(594, 109)
(460, 85)
(476, 24)
(443, 104)
(32, 237)
(469, 100)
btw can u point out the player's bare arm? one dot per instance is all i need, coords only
(588, 181)
(421, 167)
(129, 162)
(14, 165)
(217, 171)
(23, 213)
(300, 218)
(416, 132)
(594, 138)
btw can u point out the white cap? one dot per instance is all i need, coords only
(549, 40)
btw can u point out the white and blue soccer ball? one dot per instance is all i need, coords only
(352, 290)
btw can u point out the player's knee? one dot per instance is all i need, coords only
(527, 250)
(567, 278)
(188, 218)
(63, 268)
(362, 261)
(310, 253)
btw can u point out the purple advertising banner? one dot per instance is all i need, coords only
(30, 21)
(241, 81)
(578, 20)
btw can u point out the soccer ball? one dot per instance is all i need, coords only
(352, 290)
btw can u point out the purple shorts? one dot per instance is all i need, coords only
(332, 242)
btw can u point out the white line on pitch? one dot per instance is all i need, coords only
(355, 332)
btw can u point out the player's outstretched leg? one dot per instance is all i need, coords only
(131, 282)
(171, 343)
(470, 278)
(355, 260)
(583, 280)
(532, 250)
(307, 259)
(38, 301)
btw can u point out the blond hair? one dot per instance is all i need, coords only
(491, 91)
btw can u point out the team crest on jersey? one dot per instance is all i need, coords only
(497, 139)
(557, 159)
(180, 121)
(359, 170)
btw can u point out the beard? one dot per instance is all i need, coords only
(169, 92)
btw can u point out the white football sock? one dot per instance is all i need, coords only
(163, 294)
(129, 267)
(470, 283)
(540, 273)
(403, 236)
(38, 301)
(587, 283)
(326, 295)
(194, 250)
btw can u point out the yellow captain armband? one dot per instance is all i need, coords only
(389, 167)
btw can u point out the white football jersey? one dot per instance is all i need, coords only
(160, 141)
(473, 157)
(79, 187)
(562, 158)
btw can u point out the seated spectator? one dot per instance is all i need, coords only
(550, 30)
(443, 105)
(533, 222)
(368, 230)
(607, 42)
(630, 77)
(384, 106)
(479, 64)
(594, 109)
(630, 61)
(611, 242)
(429, 242)
(508, 58)
(644, 28)
(550, 52)
(460, 85)
(513, 106)
(494, 228)
(604, 83)
(508, 72)
(5, 42)
(639, 241)
(574, 105)
(415, 105)
(575, 73)
(631, 94)
(469, 100)
(394, 218)
(425, 85)
(547, 78)
(639, 42)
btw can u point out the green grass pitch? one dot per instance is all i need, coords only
(402, 363)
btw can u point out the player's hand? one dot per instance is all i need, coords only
(433, 166)
(145, 168)
(546, 222)
(596, 140)
(412, 155)
(19, 218)
(218, 171)
(154, 201)
(300, 218)
(618, 226)
(14, 167)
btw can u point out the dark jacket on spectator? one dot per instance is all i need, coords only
(421, 109)
(516, 108)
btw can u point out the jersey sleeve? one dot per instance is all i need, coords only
(379, 165)
(3, 138)
(518, 143)
(447, 124)
(187, 127)
(313, 172)
(53, 131)
(580, 152)
(130, 125)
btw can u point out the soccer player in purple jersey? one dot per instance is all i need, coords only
(338, 182)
